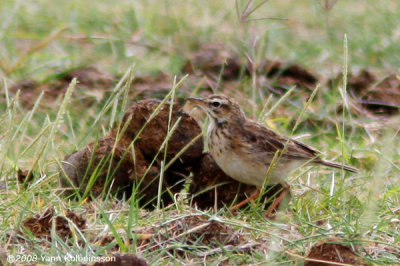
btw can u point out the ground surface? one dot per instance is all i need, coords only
(342, 56)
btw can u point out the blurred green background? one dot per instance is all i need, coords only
(39, 38)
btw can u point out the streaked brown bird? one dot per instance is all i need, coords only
(245, 149)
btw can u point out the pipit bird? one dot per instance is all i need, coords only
(251, 153)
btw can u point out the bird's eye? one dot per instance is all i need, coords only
(216, 104)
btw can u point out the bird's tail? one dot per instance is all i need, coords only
(338, 166)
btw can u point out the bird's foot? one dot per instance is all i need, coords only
(277, 201)
(252, 197)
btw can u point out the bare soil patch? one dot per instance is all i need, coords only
(283, 75)
(190, 235)
(376, 95)
(92, 84)
(333, 253)
(214, 61)
(41, 224)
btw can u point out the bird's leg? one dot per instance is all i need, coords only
(253, 196)
(285, 191)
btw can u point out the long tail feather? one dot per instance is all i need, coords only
(337, 165)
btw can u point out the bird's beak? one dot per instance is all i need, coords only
(198, 101)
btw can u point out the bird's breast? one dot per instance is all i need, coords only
(238, 162)
(231, 159)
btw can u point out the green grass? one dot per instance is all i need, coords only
(43, 38)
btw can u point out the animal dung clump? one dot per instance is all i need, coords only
(105, 162)
(130, 157)
(377, 96)
(289, 74)
(93, 83)
(40, 224)
(182, 233)
(331, 253)
(155, 132)
(214, 60)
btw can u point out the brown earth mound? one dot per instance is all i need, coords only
(120, 165)
(379, 96)
(282, 75)
(40, 224)
(188, 235)
(214, 60)
(92, 83)
(331, 253)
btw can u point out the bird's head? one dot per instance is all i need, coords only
(220, 108)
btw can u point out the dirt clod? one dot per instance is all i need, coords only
(102, 156)
(212, 58)
(186, 231)
(130, 163)
(89, 79)
(288, 74)
(202, 230)
(156, 86)
(22, 176)
(155, 132)
(332, 252)
(198, 234)
(379, 96)
(40, 224)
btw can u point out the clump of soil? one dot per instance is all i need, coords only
(122, 165)
(106, 158)
(40, 224)
(211, 187)
(288, 74)
(89, 80)
(331, 253)
(87, 76)
(193, 230)
(30, 91)
(198, 234)
(155, 86)
(204, 231)
(377, 96)
(155, 132)
(123, 260)
(159, 85)
(22, 176)
(212, 58)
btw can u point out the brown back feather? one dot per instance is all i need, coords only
(270, 141)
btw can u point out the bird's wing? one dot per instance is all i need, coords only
(264, 139)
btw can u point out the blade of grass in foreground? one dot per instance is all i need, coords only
(169, 134)
(54, 125)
